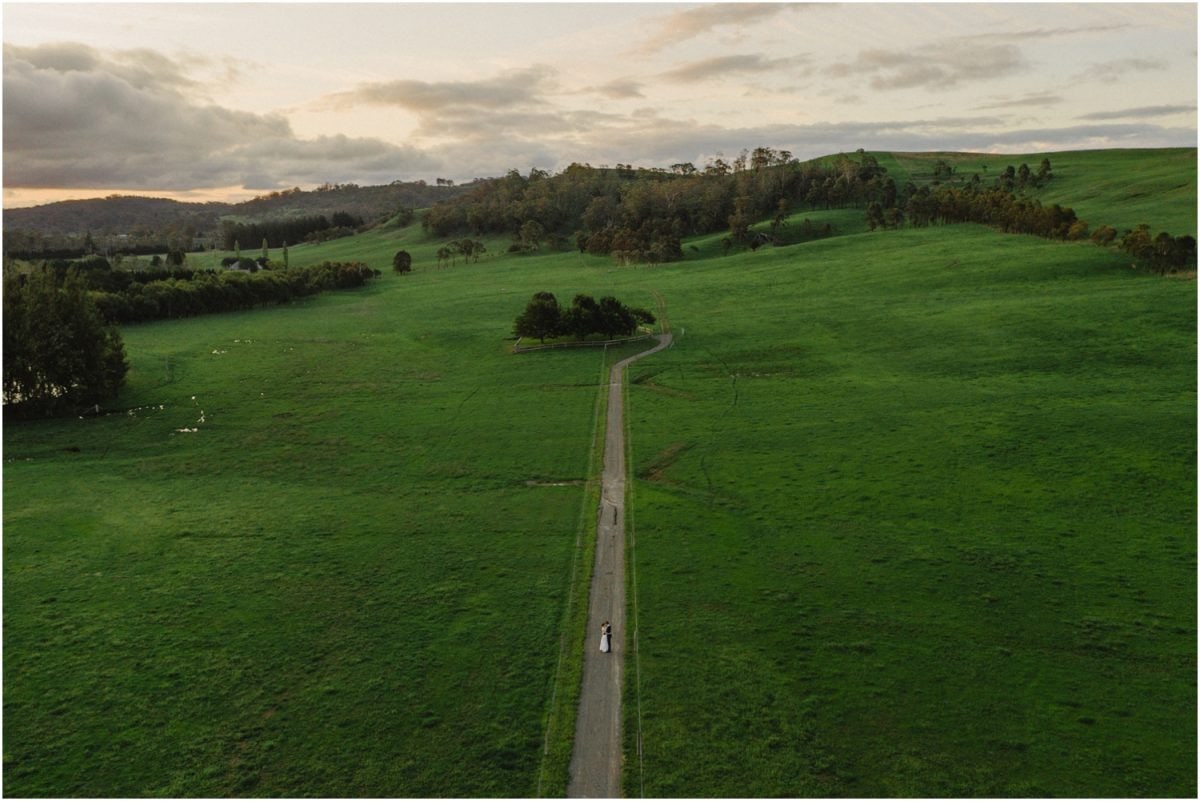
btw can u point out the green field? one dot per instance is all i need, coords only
(913, 514)
(926, 521)
(1118, 188)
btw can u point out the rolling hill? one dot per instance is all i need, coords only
(122, 214)
(912, 513)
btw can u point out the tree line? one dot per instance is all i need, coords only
(278, 233)
(636, 214)
(544, 318)
(209, 291)
(643, 214)
(1005, 211)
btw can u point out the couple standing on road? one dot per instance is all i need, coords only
(606, 637)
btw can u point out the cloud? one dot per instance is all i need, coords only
(1115, 70)
(725, 66)
(680, 26)
(75, 117)
(140, 68)
(512, 88)
(1032, 99)
(1046, 33)
(620, 89)
(509, 106)
(938, 66)
(1142, 112)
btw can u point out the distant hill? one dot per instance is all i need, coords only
(117, 214)
(123, 214)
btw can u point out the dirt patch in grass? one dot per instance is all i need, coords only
(662, 461)
(654, 386)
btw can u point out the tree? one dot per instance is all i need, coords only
(642, 316)
(404, 217)
(875, 215)
(402, 262)
(1137, 243)
(1023, 175)
(739, 222)
(542, 317)
(1104, 235)
(782, 209)
(1043, 173)
(532, 233)
(59, 354)
(581, 318)
(614, 319)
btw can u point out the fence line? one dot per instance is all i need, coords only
(592, 344)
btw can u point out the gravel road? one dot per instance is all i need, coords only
(596, 759)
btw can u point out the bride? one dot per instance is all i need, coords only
(606, 637)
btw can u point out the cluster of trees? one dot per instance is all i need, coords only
(995, 207)
(1163, 253)
(277, 233)
(1010, 179)
(60, 355)
(466, 249)
(1002, 209)
(189, 293)
(100, 275)
(35, 246)
(642, 214)
(544, 318)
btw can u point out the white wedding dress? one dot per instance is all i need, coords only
(605, 645)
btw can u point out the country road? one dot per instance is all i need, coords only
(596, 758)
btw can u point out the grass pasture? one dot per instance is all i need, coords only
(913, 515)
(349, 581)
(1118, 188)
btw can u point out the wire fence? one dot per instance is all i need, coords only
(517, 348)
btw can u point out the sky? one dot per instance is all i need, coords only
(224, 101)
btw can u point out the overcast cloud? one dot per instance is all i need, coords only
(721, 67)
(1113, 71)
(680, 26)
(74, 117)
(937, 66)
(1143, 112)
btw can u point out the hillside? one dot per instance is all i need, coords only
(645, 212)
(912, 514)
(118, 214)
(1119, 188)
(126, 214)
